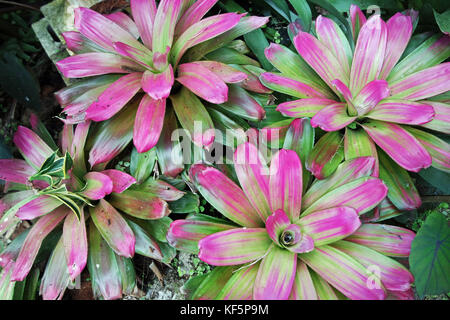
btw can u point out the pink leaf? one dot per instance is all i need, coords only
(234, 247)
(203, 82)
(121, 181)
(98, 185)
(75, 243)
(158, 85)
(144, 12)
(398, 144)
(148, 124)
(285, 183)
(115, 97)
(33, 242)
(369, 54)
(253, 176)
(31, 146)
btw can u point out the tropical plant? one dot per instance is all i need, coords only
(107, 216)
(279, 242)
(378, 94)
(175, 44)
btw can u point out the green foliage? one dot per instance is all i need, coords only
(430, 252)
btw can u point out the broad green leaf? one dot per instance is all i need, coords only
(436, 178)
(429, 258)
(188, 203)
(304, 12)
(141, 164)
(443, 20)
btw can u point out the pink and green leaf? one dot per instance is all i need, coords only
(331, 35)
(303, 287)
(393, 275)
(124, 21)
(285, 183)
(252, 173)
(166, 17)
(357, 143)
(234, 247)
(330, 225)
(140, 204)
(346, 172)
(332, 118)
(362, 194)
(144, 12)
(33, 242)
(103, 267)
(121, 181)
(399, 30)
(389, 240)
(202, 31)
(399, 144)
(115, 97)
(226, 73)
(320, 58)
(193, 15)
(357, 19)
(224, 195)
(40, 206)
(303, 107)
(402, 192)
(98, 185)
(291, 87)
(402, 111)
(431, 52)
(184, 234)
(148, 123)
(240, 285)
(56, 275)
(369, 54)
(441, 119)
(113, 228)
(94, 64)
(75, 244)
(15, 170)
(343, 272)
(113, 136)
(193, 117)
(242, 104)
(369, 96)
(203, 82)
(422, 84)
(326, 155)
(34, 150)
(102, 30)
(438, 148)
(276, 275)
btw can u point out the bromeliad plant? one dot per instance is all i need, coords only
(372, 98)
(282, 243)
(167, 51)
(106, 216)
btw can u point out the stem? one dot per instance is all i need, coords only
(26, 6)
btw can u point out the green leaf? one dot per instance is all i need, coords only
(156, 228)
(18, 82)
(437, 178)
(443, 20)
(141, 164)
(304, 13)
(429, 258)
(281, 7)
(188, 203)
(257, 42)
